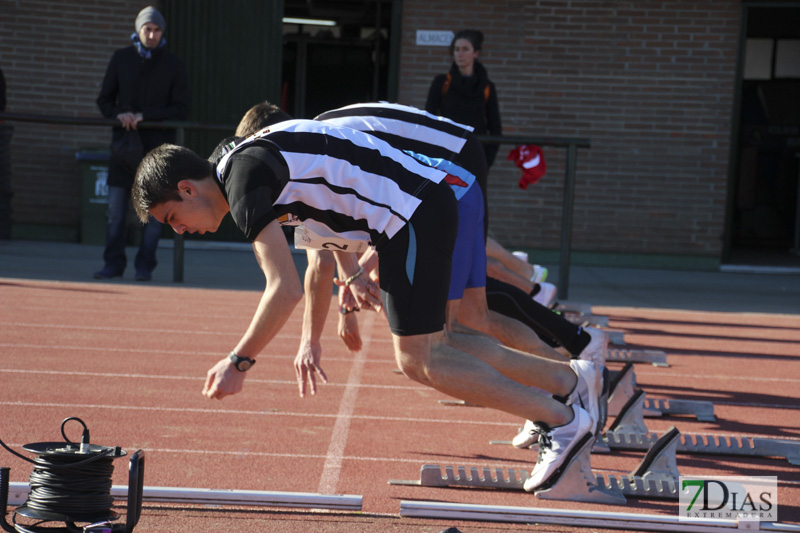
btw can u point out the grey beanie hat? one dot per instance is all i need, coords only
(150, 14)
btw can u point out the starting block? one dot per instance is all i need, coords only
(625, 355)
(655, 477)
(575, 308)
(615, 337)
(623, 387)
(580, 319)
(629, 432)
(579, 313)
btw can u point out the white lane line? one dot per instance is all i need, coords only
(497, 463)
(292, 383)
(50, 347)
(198, 378)
(75, 327)
(333, 460)
(267, 412)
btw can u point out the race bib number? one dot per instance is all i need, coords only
(305, 238)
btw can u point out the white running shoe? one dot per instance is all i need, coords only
(546, 295)
(597, 349)
(597, 352)
(519, 254)
(585, 394)
(555, 445)
(539, 273)
(527, 436)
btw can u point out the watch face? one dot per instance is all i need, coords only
(243, 365)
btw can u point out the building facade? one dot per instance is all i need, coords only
(656, 86)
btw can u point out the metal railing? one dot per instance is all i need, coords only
(570, 144)
(568, 199)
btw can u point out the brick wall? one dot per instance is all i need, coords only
(651, 84)
(54, 54)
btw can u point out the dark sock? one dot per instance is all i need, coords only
(582, 340)
(551, 327)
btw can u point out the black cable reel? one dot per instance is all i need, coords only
(71, 483)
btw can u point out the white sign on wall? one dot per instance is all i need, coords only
(434, 38)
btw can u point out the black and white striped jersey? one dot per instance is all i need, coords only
(338, 181)
(404, 127)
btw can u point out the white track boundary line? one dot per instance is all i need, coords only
(253, 413)
(50, 347)
(499, 463)
(196, 378)
(322, 415)
(333, 459)
(292, 383)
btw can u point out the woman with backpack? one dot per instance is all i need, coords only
(466, 94)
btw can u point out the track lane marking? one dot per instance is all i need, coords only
(341, 429)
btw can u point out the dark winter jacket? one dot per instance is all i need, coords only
(465, 101)
(158, 88)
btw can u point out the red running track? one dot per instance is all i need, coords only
(130, 360)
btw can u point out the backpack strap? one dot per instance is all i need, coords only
(449, 79)
(446, 85)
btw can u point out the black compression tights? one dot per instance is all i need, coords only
(551, 327)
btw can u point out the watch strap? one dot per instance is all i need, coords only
(242, 364)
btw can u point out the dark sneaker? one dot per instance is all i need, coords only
(143, 276)
(555, 445)
(107, 273)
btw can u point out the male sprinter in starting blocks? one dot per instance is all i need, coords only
(351, 186)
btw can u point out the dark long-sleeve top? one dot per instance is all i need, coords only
(465, 102)
(158, 88)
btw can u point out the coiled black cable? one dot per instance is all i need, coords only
(69, 484)
(72, 486)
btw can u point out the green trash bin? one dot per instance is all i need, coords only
(94, 205)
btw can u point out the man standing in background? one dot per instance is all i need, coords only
(143, 82)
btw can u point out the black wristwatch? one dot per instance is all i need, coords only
(242, 364)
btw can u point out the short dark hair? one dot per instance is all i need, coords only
(475, 37)
(158, 175)
(259, 117)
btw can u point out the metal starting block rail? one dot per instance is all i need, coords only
(629, 432)
(584, 320)
(18, 494)
(626, 355)
(615, 337)
(655, 477)
(576, 518)
(578, 308)
(580, 314)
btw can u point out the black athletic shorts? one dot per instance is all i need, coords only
(414, 266)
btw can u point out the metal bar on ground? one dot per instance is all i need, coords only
(623, 355)
(575, 518)
(18, 493)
